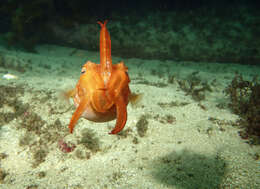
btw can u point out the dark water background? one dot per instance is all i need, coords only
(202, 30)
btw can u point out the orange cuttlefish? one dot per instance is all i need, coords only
(102, 92)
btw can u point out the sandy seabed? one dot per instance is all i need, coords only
(188, 143)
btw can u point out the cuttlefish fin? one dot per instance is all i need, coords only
(121, 115)
(77, 114)
(135, 99)
(67, 94)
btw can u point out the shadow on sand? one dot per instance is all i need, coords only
(188, 170)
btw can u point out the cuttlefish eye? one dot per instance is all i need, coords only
(83, 70)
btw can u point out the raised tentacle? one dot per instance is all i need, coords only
(105, 52)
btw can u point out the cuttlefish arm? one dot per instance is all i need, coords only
(121, 115)
(119, 94)
(77, 114)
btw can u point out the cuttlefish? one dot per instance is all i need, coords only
(102, 92)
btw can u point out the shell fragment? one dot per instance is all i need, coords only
(9, 76)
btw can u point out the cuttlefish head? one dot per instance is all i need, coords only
(86, 92)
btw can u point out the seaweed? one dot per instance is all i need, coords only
(194, 86)
(245, 102)
(32, 186)
(39, 155)
(3, 156)
(172, 104)
(26, 140)
(116, 176)
(89, 140)
(11, 91)
(6, 117)
(32, 123)
(170, 118)
(142, 126)
(3, 174)
(82, 154)
(41, 174)
(9, 97)
(135, 140)
(155, 84)
(171, 79)
(124, 133)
